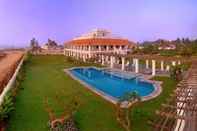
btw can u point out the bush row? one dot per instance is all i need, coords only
(7, 105)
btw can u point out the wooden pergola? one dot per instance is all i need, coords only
(179, 113)
(152, 57)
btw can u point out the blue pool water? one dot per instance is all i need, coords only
(112, 84)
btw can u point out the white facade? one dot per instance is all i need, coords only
(95, 43)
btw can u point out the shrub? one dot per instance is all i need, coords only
(186, 51)
(66, 125)
(6, 107)
(69, 59)
(176, 72)
(92, 60)
(75, 61)
(123, 114)
(65, 122)
(8, 102)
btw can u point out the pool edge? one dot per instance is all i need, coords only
(98, 92)
(156, 84)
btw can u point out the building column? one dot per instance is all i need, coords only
(114, 49)
(111, 62)
(167, 68)
(80, 51)
(89, 50)
(136, 65)
(173, 63)
(84, 59)
(127, 63)
(103, 60)
(179, 62)
(81, 55)
(123, 63)
(162, 65)
(64, 52)
(120, 49)
(153, 67)
(107, 48)
(77, 55)
(70, 53)
(106, 59)
(99, 48)
(134, 61)
(114, 60)
(147, 64)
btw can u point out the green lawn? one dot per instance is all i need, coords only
(45, 79)
(145, 111)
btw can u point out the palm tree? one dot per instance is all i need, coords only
(131, 98)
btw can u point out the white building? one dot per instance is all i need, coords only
(97, 42)
(167, 47)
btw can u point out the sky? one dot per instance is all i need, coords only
(62, 20)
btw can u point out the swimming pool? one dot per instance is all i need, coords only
(110, 84)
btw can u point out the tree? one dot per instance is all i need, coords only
(34, 46)
(52, 43)
(136, 50)
(150, 49)
(178, 40)
(131, 98)
(34, 43)
(176, 72)
(185, 51)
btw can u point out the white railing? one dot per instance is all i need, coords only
(123, 51)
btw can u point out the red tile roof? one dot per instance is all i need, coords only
(100, 41)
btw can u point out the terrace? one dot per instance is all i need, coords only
(139, 64)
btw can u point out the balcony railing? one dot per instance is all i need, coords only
(122, 51)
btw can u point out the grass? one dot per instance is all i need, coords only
(145, 111)
(45, 79)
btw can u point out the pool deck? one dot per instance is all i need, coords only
(157, 84)
(155, 93)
